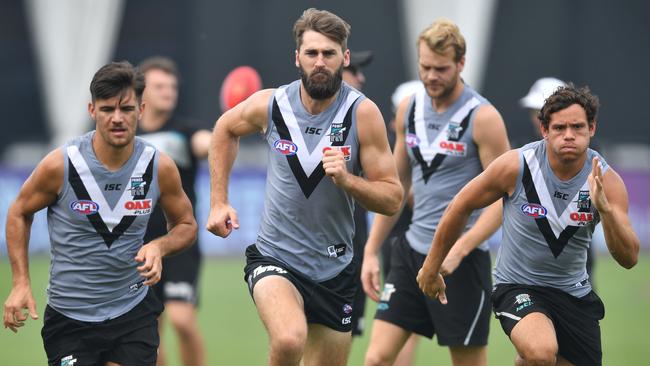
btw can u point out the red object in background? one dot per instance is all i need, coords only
(238, 85)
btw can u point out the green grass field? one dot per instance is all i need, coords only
(235, 336)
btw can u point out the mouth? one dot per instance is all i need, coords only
(119, 132)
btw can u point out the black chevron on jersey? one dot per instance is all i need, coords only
(429, 169)
(307, 183)
(555, 244)
(95, 218)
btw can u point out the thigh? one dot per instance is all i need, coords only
(280, 307)
(465, 320)
(402, 303)
(386, 342)
(535, 331)
(326, 346)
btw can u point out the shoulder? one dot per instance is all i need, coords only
(487, 115)
(257, 104)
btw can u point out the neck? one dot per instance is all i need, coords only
(113, 158)
(565, 169)
(443, 102)
(315, 106)
(153, 120)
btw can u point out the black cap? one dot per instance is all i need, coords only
(360, 58)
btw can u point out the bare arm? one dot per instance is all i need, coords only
(246, 118)
(489, 134)
(39, 191)
(382, 224)
(609, 195)
(181, 226)
(498, 179)
(380, 190)
(201, 143)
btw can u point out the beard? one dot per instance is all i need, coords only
(321, 89)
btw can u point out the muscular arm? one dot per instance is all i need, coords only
(246, 118)
(489, 134)
(609, 195)
(382, 224)
(39, 191)
(380, 190)
(498, 179)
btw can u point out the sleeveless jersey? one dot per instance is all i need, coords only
(547, 226)
(443, 158)
(307, 220)
(96, 228)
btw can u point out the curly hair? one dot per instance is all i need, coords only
(566, 96)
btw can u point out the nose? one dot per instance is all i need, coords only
(320, 61)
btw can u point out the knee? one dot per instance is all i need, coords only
(289, 343)
(375, 358)
(539, 356)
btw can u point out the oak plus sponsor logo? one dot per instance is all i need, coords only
(453, 148)
(534, 210)
(84, 207)
(285, 147)
(346, 150)
(581, 218)
(138, 207)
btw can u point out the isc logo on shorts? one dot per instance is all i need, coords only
(84, 207)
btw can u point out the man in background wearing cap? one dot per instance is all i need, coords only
(352, 74)
(534, 101)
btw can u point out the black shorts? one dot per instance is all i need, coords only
(130, 339)
(328, 303)
(359, 243)
(576, 320)
(180, 277)
(464, 321)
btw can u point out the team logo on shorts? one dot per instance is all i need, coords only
(137, 186)
(412, 140)
(523, 301)
(68, 361)
(84, 207)
(453, 131)
(389, 288)
(347, 308)
(534, 210)
(285, 147)
(336, 132)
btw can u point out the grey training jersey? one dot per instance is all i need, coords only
(547, 226)
(307, 220)
(96, 228)
(443, 158)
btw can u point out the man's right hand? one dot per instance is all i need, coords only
(222, 220)
(370, 276)
(20, 298)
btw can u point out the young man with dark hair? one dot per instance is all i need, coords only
(554, 192)
(100, 189)
(320, 133)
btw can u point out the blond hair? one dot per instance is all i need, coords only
(441, 35)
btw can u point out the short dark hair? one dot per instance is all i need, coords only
(323, 22)
(161, 63)
(116, 78)
(566, 96)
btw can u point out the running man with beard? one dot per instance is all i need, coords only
(320, 133)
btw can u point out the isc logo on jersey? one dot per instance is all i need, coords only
(453, 148)
(534, 210)
(285, 147)
(84, 207)
(138, 207)
(346, 150)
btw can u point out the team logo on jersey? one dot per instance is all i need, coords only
(584, 202)
(285, 147)
(138, 207)
(412, 140)
(346, 150)
(84, 207)
(137, 186)
(454, 130)
(453, 148)
(336, 132)
(347, 308)
(534, 210)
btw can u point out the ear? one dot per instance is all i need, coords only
(141, 109)
(346, 58)
(592, 129)
(461, 64)
(297, 62)
(544, 130)
(91, 110)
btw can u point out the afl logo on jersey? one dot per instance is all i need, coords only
(534, 210)
(84, 207)
(285, 147)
